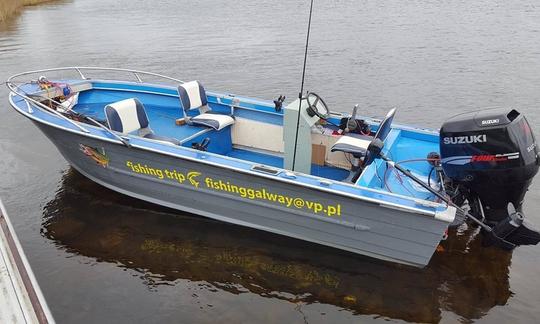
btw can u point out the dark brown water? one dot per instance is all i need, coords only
(104, 257)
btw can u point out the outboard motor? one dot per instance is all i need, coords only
(493, 156)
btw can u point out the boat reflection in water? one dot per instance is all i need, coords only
(89, 220)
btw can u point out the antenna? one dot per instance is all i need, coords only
(302, 86)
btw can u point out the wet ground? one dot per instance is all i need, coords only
(103, 257)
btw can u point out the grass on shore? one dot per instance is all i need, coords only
(10, 7)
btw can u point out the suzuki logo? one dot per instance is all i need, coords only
(490, 121)
(465, 139)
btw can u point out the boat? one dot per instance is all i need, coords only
(365, 185)
(21, 296)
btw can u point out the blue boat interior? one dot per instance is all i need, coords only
(162, 121)
(257, 135)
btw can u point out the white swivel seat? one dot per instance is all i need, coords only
(128, 115)
(357, 145)
(193, 96)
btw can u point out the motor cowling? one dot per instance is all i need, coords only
(494, 154)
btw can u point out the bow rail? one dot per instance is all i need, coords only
(80, 69)
(14, 82)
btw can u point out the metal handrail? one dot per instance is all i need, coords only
(110, 131)
(14, 88)
(120, 138)
(35, 102)
(80, 69)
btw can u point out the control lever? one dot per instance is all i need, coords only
(202, 146)
(279, 103)
(351, 123)
(434, 159)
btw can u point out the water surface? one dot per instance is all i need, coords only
(103, 257)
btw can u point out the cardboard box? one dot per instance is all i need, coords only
(318, 154)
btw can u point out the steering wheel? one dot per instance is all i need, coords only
(317, 106)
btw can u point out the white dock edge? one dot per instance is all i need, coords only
(21, 299)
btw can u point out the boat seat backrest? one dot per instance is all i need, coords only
(126, 116)
(384, 129)
(129, 115)
(385, 125)
(192, 96)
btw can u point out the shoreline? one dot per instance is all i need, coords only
(9, 8)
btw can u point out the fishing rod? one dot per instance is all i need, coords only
(302, 85)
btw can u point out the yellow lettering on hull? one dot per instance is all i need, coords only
(192, 178)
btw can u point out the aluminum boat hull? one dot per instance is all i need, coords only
(365, 228)
(230, 184)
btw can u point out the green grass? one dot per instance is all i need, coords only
(10, 7)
